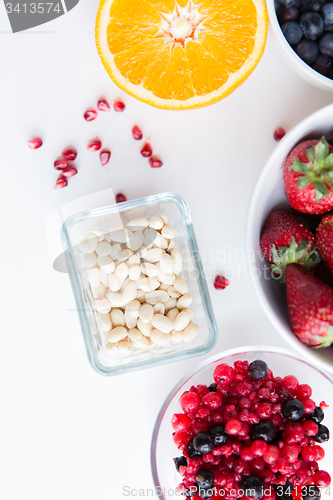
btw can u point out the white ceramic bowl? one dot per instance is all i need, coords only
(269, 195)
(295, 62)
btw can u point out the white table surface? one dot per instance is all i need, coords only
(67, 432)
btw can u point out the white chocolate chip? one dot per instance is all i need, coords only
(94, 276)
(99, 292)
(167, 263)
(89, 260)
(133, 261)
(105, 321)
(103, 249)
(117, 334)
(173, 292)
(134, 334)
(136, 241)
(145, 328)
(129, 293)
(143, 342)
(148, 284)
(160, 338)
(142, 252)
(171, 245)
(89, 244)
(106, 263)
(121, 235)
(154, 255)
(117, 317)
(156, 222)
(102, 305)
(122, 272)
(137, 224)
(111, 349)
(104, 278)
(190, 332)
(114, 283)
(160, 242)
(146, 313)
(124, 347)
(115, 250)
(159, 308)
(181, 286)
(168, 232)
(141, 296)
(184, 302)
(134, 273)
(170, 304)
(172, 314)
(150, 236)
(116, 299)
(129, 319)
(149, 269)
(164, 219)
(177, 336)
(177, 257)
(124, 254)
(157, 296)
(182, 320)
(162, 323)
(134, 308)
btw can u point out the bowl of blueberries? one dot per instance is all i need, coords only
(304, 32)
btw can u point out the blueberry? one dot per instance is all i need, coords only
(258, 369)
(253, 486)
(314, 5)
(322, 435)
(190, 449)
(323, 64)
(180, 461)
(291, 14)
(264, 430)
(205, 478)
(219, 435)
(310, 492)
(327, 13)
(312, 25)
(212, 387)
(307, 50)
(286, 4)
(328, 27)
(293, 409)
(317, 415)
(202, 443)
(292, 31)
(326, 44)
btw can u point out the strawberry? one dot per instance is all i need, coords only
(310, 306)
(285, 240)
(308, 177)
(323, 273)
(324, 239)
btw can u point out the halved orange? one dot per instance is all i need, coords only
(180, 54)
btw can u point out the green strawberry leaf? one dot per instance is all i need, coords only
(320, 186)
(298, 166)
(322, 151)
(329, 161)
(303, 182)
(310, 151)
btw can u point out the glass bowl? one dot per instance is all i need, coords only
(282, 362)
(77, 226)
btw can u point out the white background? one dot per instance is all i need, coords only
(67, 432)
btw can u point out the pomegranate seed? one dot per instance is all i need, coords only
(60, 164)
(105, 156)
(155, 162)
(61, 182)
(137, 133)
(119, 106)
(322, 479)
(90, 115)
(69, 154)
(146, 150)
(94, 145)
(221, 282)
(323, 405)
(35, 143)
(69, 171)
(120, 197)
(279, 132)
(103, 105)
(189, 402)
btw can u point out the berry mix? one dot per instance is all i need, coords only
(308, 27)
(250, 435)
